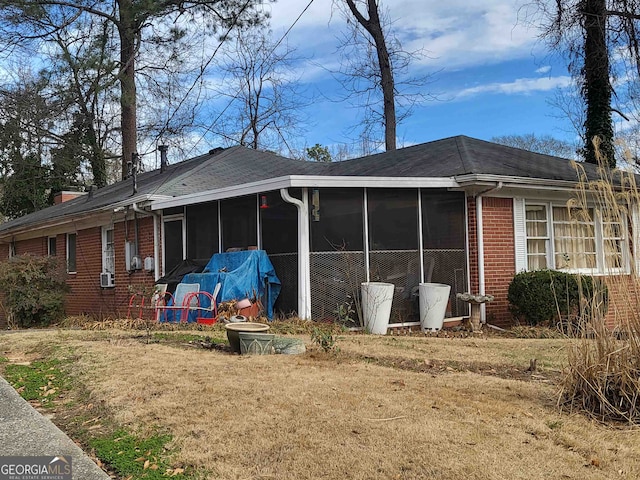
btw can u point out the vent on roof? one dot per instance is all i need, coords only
(163, 157)
(213, 151)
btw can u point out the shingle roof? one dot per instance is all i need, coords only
(460, 155)
(449, 157)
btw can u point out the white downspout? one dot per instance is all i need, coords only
(480, 241)
(304, 268)
(156, 238)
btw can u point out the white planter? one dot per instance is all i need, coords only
(433, 305)
(377, 298)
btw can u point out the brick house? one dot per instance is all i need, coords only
(459, 211)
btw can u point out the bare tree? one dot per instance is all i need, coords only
(135, 24)
(372, 60)
(545, 144)
(265, 107)
(600, 38)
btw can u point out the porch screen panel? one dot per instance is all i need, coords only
(394, 255)
(336, 219)
(278, 224)
(393, 219)
(173, 246)
(337, 250)
(239, 222)
(443, 243)
(279, 234)
(202, 230)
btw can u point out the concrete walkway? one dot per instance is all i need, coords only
(25, 432)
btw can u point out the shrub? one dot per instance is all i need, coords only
(550, 296)
(34, 290)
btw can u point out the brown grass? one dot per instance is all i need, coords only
(347, 416)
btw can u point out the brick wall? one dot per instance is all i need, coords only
(624, 300)
(499, 254)
(86, 296)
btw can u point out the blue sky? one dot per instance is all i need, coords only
(491, 73)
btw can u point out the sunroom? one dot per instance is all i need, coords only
(324, 240)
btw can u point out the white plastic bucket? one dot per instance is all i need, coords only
(377, 298)
(433, 305)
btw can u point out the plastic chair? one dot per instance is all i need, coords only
(181, 301)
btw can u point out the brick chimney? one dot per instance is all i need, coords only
(65, 196)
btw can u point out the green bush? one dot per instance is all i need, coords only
(34, 290)
(550, 296)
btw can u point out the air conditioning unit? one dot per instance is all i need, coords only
(106, 280)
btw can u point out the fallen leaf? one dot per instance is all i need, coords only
(140, 459)
(146, 465)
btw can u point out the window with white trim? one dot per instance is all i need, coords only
(51, 246)
(587, 240)
(71, 253)
(108, 250)
(537, 237)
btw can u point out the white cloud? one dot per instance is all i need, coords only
(545, 69)
(520, 86)
(454, 34)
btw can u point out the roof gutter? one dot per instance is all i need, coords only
(519, 182)
(304, 268)
(156, 238)
(480, 244)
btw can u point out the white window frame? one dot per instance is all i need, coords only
(108, 250)
(49, 252)
(75, 253)
(600, 268)
(547, 239)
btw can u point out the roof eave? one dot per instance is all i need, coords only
(143, 199)
(301, 181)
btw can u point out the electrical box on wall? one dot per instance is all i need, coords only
(148, 264)
(131, 258)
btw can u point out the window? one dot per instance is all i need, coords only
(574, 239)
(71, 252)
(587, 240)
(108, 250)
(537, 237)
(51, 246)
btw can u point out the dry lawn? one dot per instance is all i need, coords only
(388, 407)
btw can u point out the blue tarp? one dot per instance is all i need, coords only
(245, 274)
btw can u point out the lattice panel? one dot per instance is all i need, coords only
(335, 280)
(449, 267)
(402, 268)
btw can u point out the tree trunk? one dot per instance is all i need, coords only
(374, 27)
(128, 31)
(597, 87)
